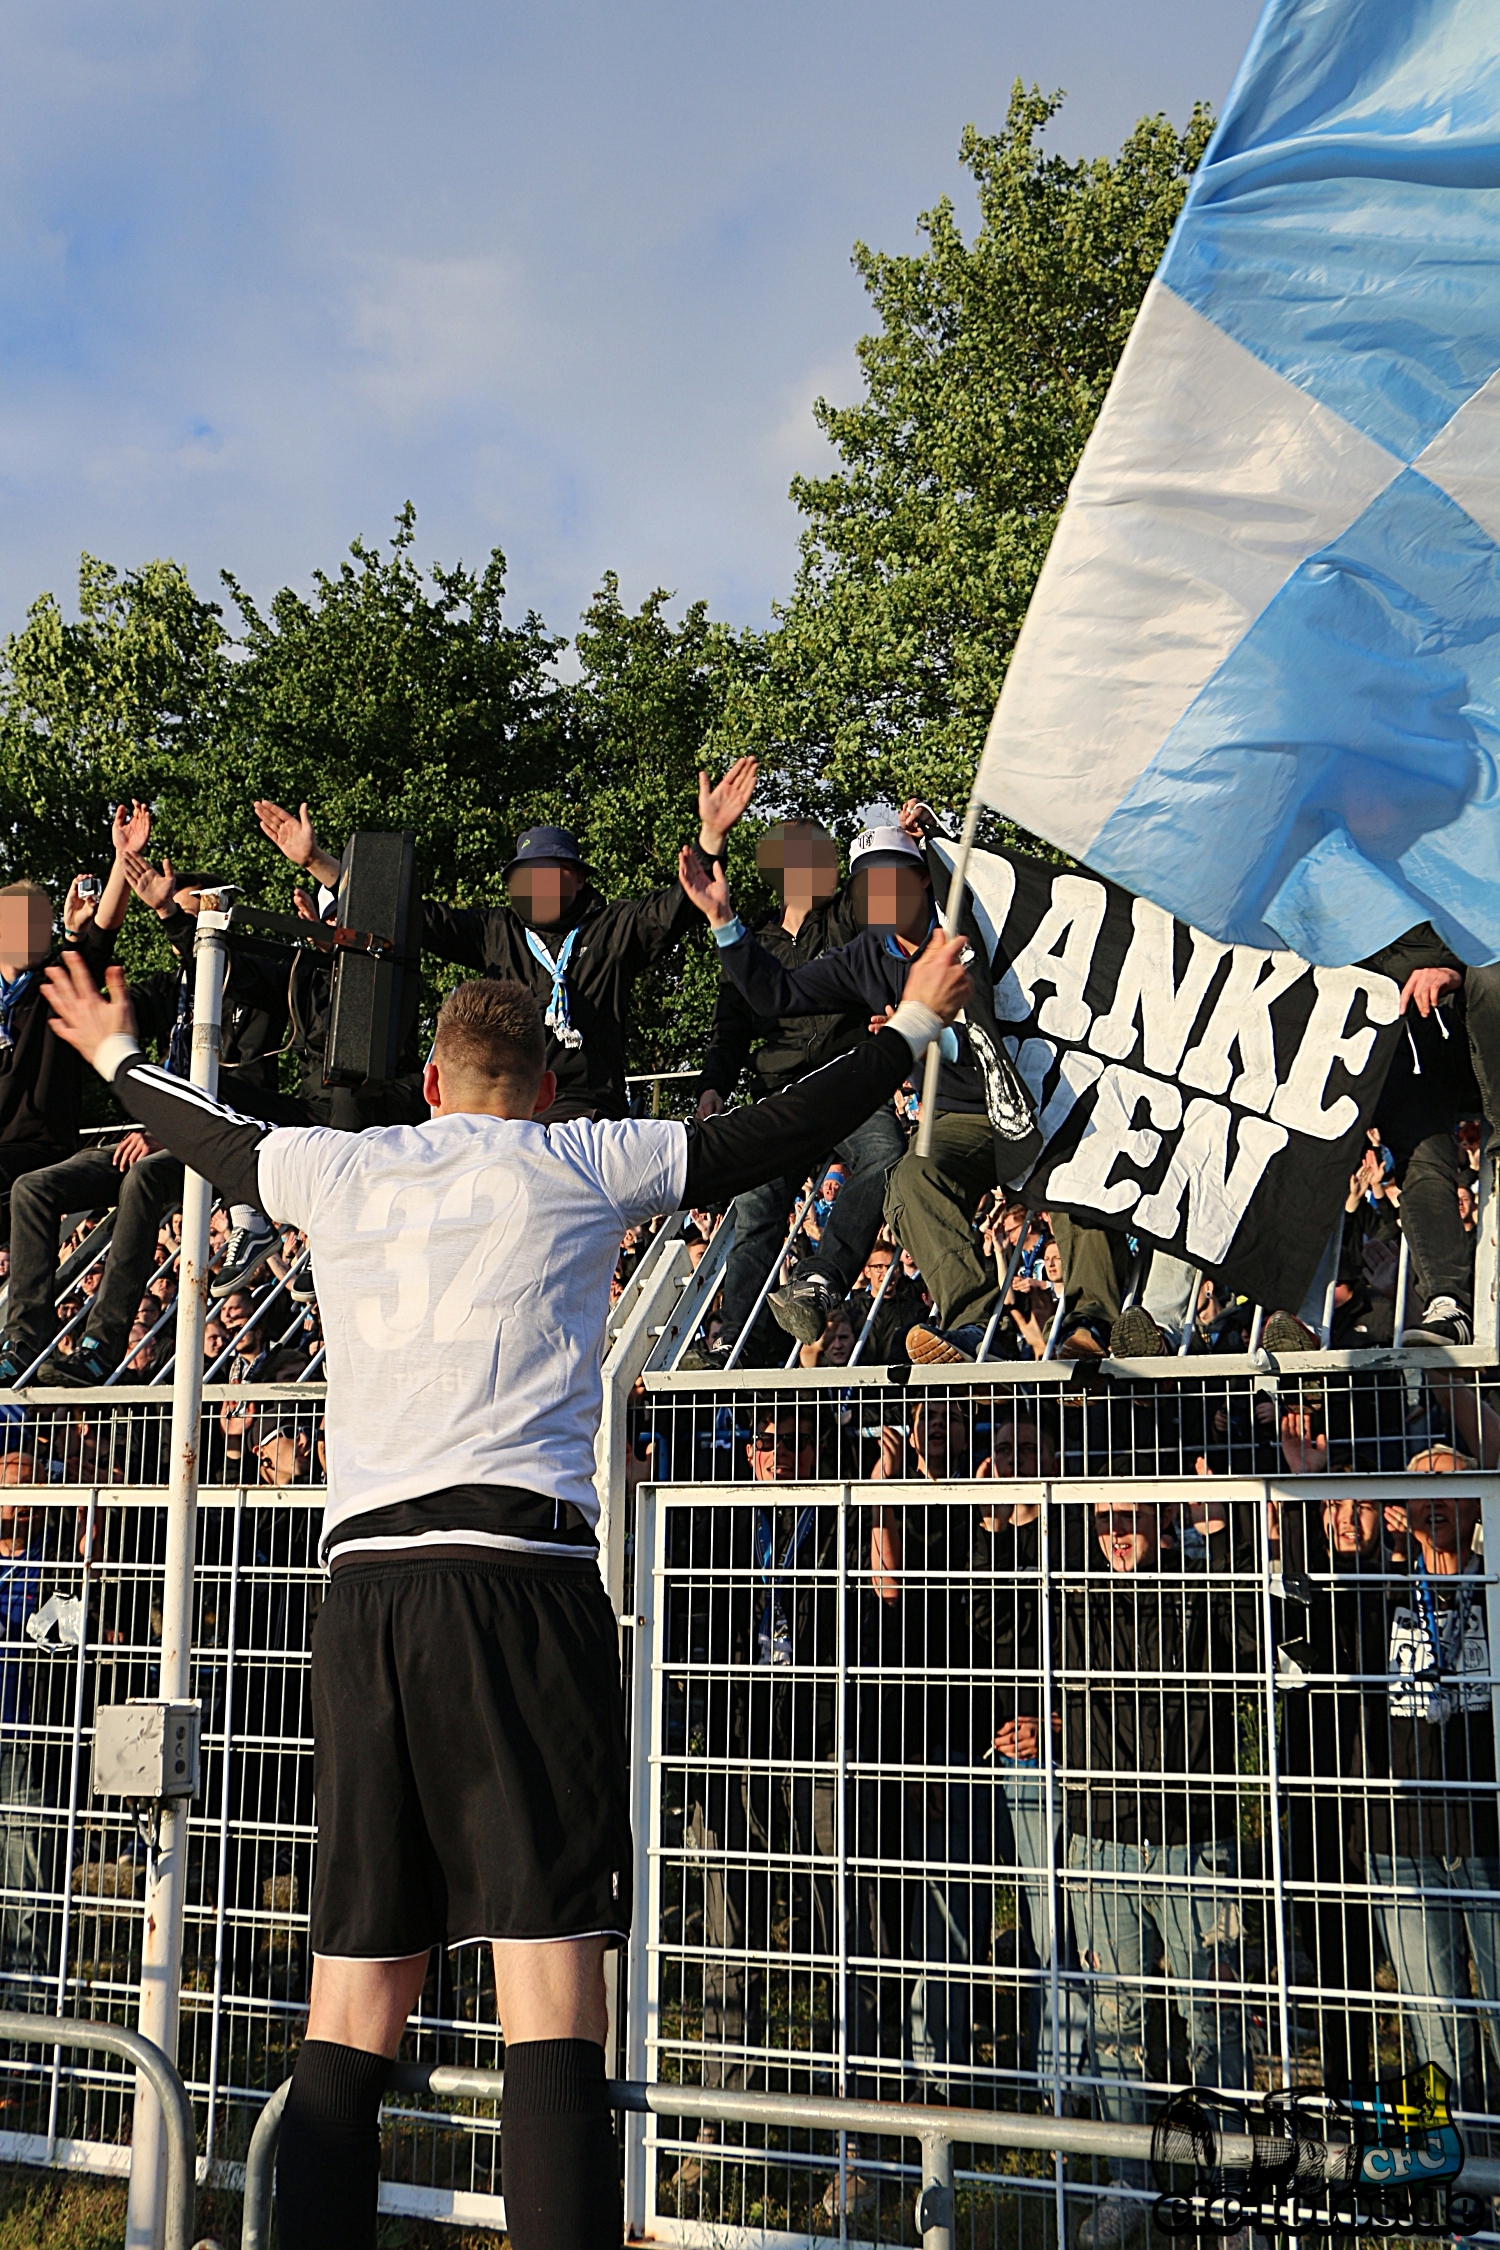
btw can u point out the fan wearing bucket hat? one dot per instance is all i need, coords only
(800, 860)
(929, 1201)
(579, 952)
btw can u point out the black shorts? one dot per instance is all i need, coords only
(469, 1756)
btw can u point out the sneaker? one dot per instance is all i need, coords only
(243, 1252)
(1086, 1338)
(803, 1306)
(84, 1369)
(1135, 1335)
(302, 1289)
(927, 1346)
(690, 2174)
(1284, 1332)
(1113, 2223)
(1444, 1322)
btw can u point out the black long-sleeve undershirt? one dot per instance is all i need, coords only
(786, 1133)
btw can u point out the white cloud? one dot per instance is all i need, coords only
(435, 332)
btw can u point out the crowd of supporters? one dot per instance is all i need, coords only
(889, 1317)
(1109, 1778)
(982, 1274)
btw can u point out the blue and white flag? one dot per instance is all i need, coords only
(1259, 680)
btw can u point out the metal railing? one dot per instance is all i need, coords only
(59, 2032)
(656, 1079)
(72, 1896)
(937, 2131)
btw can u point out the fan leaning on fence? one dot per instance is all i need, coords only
(468, 1734)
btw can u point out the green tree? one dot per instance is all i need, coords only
(126, 702)
(981, 385)
(388, 699)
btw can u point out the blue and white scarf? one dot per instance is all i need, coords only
(11, 996)
(557, 1018)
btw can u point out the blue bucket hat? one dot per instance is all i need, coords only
(534, 844)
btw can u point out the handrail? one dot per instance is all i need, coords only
(114, 2039)
(936, 2129)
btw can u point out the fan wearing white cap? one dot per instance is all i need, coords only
(930, 1201)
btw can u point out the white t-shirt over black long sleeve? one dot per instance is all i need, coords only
(463, 1271)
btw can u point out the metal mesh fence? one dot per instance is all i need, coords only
(1035, 1744)
(82, 1533)
(1038, 1746)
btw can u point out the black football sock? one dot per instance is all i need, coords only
(328, 2157)
(557, 2148)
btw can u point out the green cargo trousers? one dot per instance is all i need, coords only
(929, 1207)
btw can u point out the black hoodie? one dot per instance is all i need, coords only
(41, 1077)
(617, 941)
(1153, 1667)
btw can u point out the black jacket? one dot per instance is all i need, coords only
(869, 973)
(254, 1011)
(1416, 948)
(1004, 1604)
(1330, 1663)
(1152, 1668)
(41, 1078)
(793, 1045)
(617, 940)
(901, 1308)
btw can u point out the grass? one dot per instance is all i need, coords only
(60, 2211)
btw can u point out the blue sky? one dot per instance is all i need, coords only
(567, 277)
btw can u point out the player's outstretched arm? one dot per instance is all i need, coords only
(209, 1138)
(791, 1130)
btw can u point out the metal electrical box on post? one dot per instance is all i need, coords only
(147, 1751)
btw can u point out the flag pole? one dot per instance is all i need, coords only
(956, 885)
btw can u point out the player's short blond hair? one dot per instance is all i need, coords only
(491, 1028)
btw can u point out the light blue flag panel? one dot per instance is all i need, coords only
(1259, 681)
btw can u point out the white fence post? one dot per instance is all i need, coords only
(166, 1887)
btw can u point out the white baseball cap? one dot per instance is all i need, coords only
(887, 845)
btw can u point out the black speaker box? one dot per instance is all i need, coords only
(375, 997)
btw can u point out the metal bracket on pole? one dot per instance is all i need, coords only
(935, 2202)
(166, 1897)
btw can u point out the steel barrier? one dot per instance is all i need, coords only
(937, 2131)
(827, 1891)
(67, 2031)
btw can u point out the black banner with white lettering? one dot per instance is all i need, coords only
(1208, 1098)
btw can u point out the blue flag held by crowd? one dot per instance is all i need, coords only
(1259, 681)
